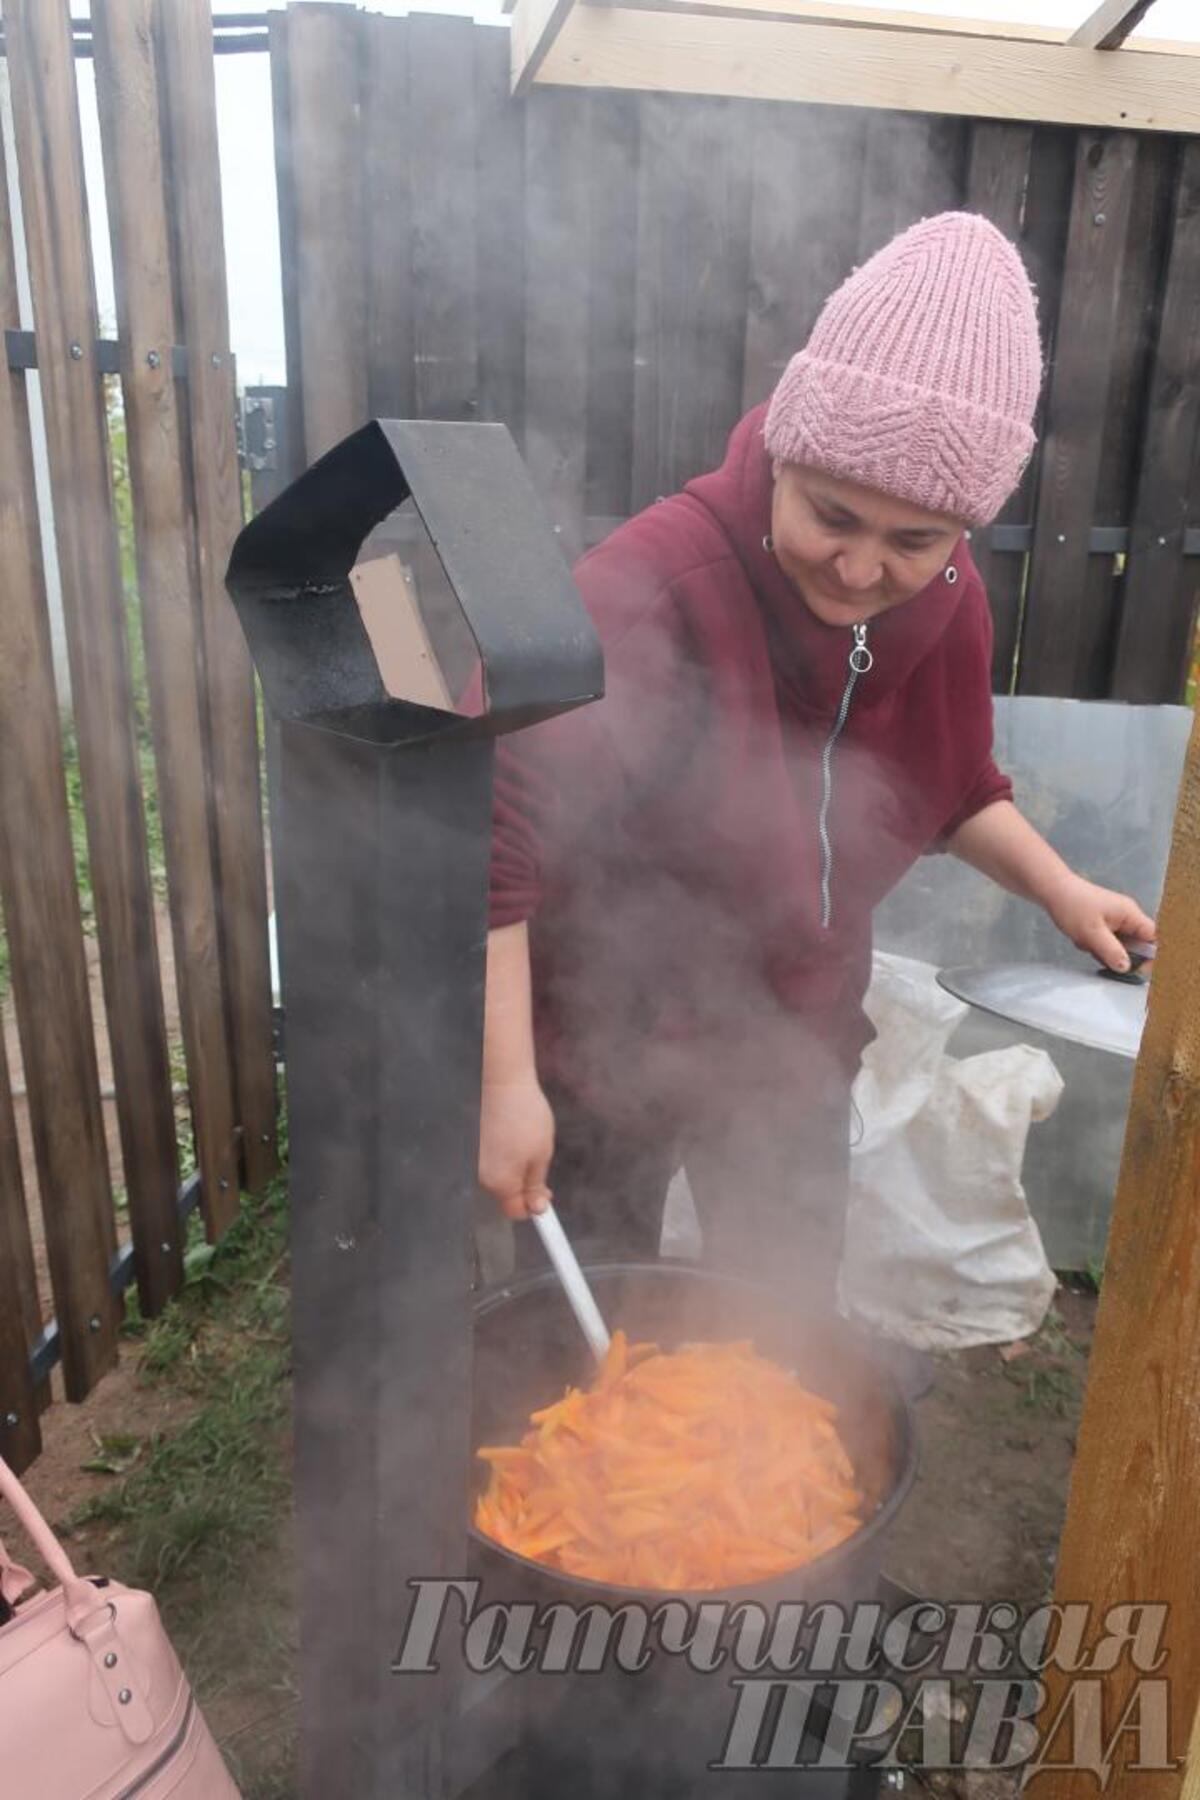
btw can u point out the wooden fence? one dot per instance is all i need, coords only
(153, 61)
(618, 277)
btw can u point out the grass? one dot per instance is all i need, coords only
(199, 1498)
(201, 1514)
(1050, 1378)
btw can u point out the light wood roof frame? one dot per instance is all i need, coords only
(823, 53)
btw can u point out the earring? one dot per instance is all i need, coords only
(768, 543)
(951, 575)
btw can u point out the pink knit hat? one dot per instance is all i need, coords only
(921, 375)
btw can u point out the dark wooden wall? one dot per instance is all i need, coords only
(618, 277)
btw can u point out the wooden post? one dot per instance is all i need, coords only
(1132, 1532)
(128, 97)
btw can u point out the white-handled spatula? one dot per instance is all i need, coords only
(566, 1267)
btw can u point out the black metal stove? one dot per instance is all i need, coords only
(385, 792)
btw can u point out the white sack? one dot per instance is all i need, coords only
(941, 1249)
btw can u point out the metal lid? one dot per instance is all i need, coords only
(1085, 1006)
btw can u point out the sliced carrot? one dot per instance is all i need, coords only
(701, 1468)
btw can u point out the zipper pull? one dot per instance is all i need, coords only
(862, 660)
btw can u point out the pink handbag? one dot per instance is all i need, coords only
(93, 1702)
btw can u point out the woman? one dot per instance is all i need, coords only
(798, 705)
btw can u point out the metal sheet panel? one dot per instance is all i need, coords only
(1099, 780)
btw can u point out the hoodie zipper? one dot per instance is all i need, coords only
(861, 661)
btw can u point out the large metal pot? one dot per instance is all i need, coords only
(654, 1733)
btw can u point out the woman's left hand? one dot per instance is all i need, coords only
(1095, 919)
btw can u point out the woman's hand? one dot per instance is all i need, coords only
(1000, 843)
(1095, 918)
(516, 1143)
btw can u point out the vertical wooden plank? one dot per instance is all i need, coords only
(1132, 1531)
(1159, 611)
(186, 83)
(285, 191)
(16, 1236)
(1141, 284)
(1044, 248)
(387, 150)
(442, 102)
(324, 43)
(1101, 208)
(30, 752)
(807, 196)
(693, 273)
(49, 153)
(613, 122)
(500, 234)
(128, 99)
(556, 302)
(997, 184)
(915, 167)
(42, 919)
(20, 1434)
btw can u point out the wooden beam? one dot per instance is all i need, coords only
(828, 12)
(536, 25)
(1110, 24)
(1132, 1532)
(756, 59)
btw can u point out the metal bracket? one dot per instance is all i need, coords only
(21, 350)
(47, 1350)
(260, 442)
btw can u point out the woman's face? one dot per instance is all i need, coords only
(851, 552)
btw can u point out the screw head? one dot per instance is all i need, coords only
(1062, 537)
(94, 1322)
(110, 1661)
(76, 352)
(165, 1247)
(265, 1137)
(344, 1241)
(1162, 543)
(125, 1696)
(223, 1183)
(153, 358)
(12, 1420)
(1099, 218)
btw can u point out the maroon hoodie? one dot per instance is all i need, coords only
(700, 852)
